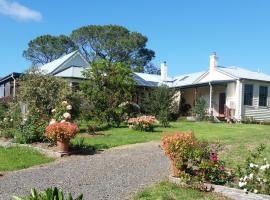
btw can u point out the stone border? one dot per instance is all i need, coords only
(231, 193)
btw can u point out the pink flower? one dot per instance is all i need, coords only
(221, 168)
(213, 157)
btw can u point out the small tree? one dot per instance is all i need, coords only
(200, 109)
(160, 103)
(108, 85)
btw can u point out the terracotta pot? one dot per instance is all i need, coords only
(62, 146)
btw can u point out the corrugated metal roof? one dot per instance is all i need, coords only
(51, 66)
(242, 73)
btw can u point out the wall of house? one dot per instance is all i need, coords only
(259, 113)
(203, 92)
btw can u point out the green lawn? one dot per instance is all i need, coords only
(14, 158)
(237, 138)
(169, 191)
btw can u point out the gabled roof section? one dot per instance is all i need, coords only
(61, 63)
(242, 73)
(71, 72)
(186, 79)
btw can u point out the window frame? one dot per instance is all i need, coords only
(249, 101)
(265, 96)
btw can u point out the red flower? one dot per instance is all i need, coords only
(221, 168)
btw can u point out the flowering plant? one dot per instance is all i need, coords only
(143, 123)
(60, 131)
(61, 113)
(194, 160)
(255, 176)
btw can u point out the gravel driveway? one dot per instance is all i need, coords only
(113, 174)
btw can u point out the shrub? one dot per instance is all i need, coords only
(192, 160)
(143, 123)
(160, 102)
(49, 194)
(200, 109)
(32, 129)
(255, 175)
(60, 131)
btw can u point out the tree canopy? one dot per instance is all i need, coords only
(47, 48)
(113, 43)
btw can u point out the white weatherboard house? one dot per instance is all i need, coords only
(231, 92)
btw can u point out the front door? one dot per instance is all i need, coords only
(222, 102)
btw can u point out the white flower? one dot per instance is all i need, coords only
(251, 165)
(264, 167)
(53, 110)
(255, 191)
(265, 159)
(66, 115)
(64, 102)
(241, 179)
(245, 190)
(245, 178)
(11, 120)
(25, 119)
(52, 121)
(251, 176)
(69, 107)
(63, 121)
(242, 184)
(5, 119)
(264, 180)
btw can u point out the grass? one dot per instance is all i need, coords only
(236, 138)
(14, 158)
(169, 191)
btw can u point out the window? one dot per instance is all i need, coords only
(248, 95)
(263, 93)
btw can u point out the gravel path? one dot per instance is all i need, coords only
(113, 174)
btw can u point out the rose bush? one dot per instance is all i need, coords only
(61, 113)
(142, 123)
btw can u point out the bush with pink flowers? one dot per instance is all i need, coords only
(194, 160)
(142, 123)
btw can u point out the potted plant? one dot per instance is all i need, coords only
(61, 133)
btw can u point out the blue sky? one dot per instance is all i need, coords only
(182, 32)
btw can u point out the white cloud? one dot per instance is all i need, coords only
(18, 11)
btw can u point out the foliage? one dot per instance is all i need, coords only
(248, 120)
(32, 129)
(47, 48)
(160, 103)
(11, 121)
(200, 109)
(3, 109)
(130, 109)
(151, 69)
(42, 92)
(14, 158)
(49, 194)
(193, 160)
(255, 175)
(113, 43)
(142, 123)
(60, 131)
(61, 113)
(107, 86)
(184, 108)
